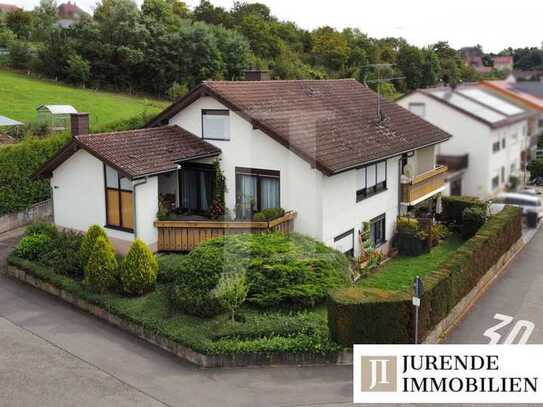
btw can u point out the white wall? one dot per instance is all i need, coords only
(79, 195)
(341, 212)
(300, 184)
(146, 197)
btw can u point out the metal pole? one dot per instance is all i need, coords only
(416, 325)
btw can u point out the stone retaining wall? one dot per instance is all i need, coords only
(42, 211)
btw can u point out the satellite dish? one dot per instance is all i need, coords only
(408, 170)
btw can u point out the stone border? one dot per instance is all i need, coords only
(442, 329)
(181, 351)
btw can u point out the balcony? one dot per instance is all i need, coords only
(423, 186)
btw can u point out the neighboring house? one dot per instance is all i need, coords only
(485, 127)
(5, 140)
(57, 117)
(68, 14)
(473, 56)
(317, 147)
(503, 63)
(8, 8)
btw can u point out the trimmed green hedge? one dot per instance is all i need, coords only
(18, 162)
(364, 315)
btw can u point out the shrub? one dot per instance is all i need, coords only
(63, 254)
(89, 240)
(231, 291)
(363, 315)
(47, 229)
(453, 208)
(101, 271)
(169, 265)
(282, 270)
(139, 270)
(268, 214)
(535, 167)
(32, 246)
(18, 162)
(474, 218)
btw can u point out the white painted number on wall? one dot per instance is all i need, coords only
(519, 334)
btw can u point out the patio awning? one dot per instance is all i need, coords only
(6, 121)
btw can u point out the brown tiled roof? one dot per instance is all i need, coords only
(137, 153)
(333, 124)
(8, 8)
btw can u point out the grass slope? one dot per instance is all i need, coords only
(21, 95)
(399, 273)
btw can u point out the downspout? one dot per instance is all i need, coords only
(177, 193)
(135, 214)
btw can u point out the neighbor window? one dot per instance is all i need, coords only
(256, 190)
(196, 187)
(496, 147)
(345, 243)
(513, 168)
(377, 230)
(418, 108)
(503, 174)
(371, 180)
(503, 143)
(119, 203)
(216, 124)
(495, 182)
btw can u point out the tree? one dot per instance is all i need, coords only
(243, 9)
(210, 14)
(231, 291)
(45, 17)
(330, 48)
(235, 52)
(20, 22)
(430, 68)
(77, 69)
(410, 63)
(139, 270)
(20, 55)
(101, 271)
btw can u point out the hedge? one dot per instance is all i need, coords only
(453, 207)
(18, 162)
(363, 315)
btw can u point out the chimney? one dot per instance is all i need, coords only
(79, 124)
(256, 75)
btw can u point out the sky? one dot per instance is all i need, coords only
(495, 24)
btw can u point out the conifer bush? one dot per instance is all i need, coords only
(89, 240)
(139, 270)
(101, 271)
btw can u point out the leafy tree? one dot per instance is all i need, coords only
(231, 291)
(410, 62)
(77, 69)
(243, 9)
(430, 69)
(211, 14)
(20, 22)
(330, 48)
(44, 18)
(177, 90)
(6, 37)
(20, 55)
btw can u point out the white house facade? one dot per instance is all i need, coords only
(487, 130)
(313, 155)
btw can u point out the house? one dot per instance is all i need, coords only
(8, 8)
(489, 134)
(320, 148)
(57, 117)
(68, 14)
(503, 63)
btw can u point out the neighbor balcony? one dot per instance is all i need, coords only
(423, 185)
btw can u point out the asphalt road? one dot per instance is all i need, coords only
(53, 355)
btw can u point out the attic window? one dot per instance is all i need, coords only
(216, 124)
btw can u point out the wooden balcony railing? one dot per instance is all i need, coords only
(183, 236)
(423, 184)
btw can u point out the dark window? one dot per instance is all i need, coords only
(378, 230)
(371, 180)
(495, 182)
(196, 187)
(496, 147)
(216, 124)
(345, 243)
(503, 143)
(256, 190)
(119, 202)
(503, 174)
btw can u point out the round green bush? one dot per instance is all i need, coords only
(46, 229)
(63, 253)
(89, 240)
(169, 265)
(282, 271)
(139, 270)
(101, 271)
(32, 247)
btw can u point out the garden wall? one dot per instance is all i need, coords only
(362, 315)
(42, 211)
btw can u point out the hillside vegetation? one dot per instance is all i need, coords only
(20, 95)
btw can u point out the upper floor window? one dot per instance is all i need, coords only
(256, 190)
(216, 124)
(371, 180)
(496, 182)
(496, 147)
(418, 108)
(503, 143)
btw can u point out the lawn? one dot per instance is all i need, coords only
(21, 96)
(399, 273)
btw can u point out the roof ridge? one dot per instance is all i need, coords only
(104, 133)
(284, 80)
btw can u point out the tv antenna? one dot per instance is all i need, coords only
(379, 80)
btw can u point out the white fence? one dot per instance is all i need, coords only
(42, 211)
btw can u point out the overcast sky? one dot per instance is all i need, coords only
(495, 24)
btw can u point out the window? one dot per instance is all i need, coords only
(216, 124)
(256, 190)
(496, 147)
(196, 187)
(503, 174)
(377, 230)
(503, 143)
(495, 182)
(345, 243)
(418, 108)
(513, 168)
(371, 180)
(119, 203)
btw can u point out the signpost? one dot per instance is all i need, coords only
(419, 289)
